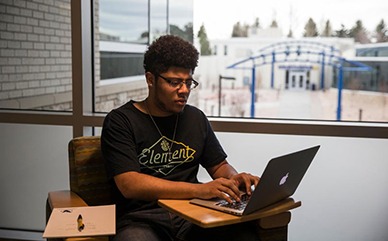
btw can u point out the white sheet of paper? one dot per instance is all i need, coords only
(98, 221)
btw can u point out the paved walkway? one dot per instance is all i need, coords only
(295, 105)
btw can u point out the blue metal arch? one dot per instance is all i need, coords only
(326, 56)
(298, 44)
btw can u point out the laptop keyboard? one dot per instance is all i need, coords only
(235, 205)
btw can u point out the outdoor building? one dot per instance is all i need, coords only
(375, 56)
(284, 65)
(242, 48)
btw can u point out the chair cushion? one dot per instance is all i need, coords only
(87, 171)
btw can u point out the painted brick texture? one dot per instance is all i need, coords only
(35, 56)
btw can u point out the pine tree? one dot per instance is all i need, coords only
(186, 34)
(290, 34)
(274, 24)
(240, 31)
(236, 30)
(327, 32)
(359, 33)
(175, 30)
(342, 33)
(381, 32)
(310, 29)
(257, 23)
(189, 32)
(292, 22)
(203, 41)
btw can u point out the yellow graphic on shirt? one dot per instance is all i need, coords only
(165, 145)
(158, 158)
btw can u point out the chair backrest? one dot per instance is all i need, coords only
(88, 176)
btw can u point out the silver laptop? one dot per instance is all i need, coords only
(280, 180)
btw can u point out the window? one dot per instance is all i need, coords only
(119, 72)
(122, 21)
(283, 49)
(282, 69)
(375, 81)
(180, 17)
(116, 65)
(372, 51)
(159, 20)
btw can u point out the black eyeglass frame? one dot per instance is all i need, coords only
(193, 85)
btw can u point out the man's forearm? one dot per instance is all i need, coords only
(134, 185)
(222, 170)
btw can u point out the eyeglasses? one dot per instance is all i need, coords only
(178, 83)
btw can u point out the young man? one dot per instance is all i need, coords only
(153, 149)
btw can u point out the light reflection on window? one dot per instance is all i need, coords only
(123, 29)
(158, 18)
(123, 20)
(181, 18)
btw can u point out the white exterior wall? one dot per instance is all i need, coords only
(279, 77)
(238, 49)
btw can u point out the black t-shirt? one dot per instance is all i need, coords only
(131, 142)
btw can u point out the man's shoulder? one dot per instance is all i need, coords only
(193, 113)
(124, 109)
(123, 112)
(192, 110)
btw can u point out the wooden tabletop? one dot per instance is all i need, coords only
(209, 218)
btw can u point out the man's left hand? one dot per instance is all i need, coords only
(245, 179)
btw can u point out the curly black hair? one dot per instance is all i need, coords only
(167, 51)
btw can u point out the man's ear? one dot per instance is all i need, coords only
(150, 79)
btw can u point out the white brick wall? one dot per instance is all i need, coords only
(35, 56)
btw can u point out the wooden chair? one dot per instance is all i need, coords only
(89, 186)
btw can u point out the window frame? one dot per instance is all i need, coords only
(83, 118)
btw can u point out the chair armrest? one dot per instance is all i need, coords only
(64, 199)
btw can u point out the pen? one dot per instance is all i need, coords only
(81, 226)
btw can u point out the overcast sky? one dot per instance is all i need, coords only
(219, 16)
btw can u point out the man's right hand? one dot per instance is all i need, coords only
(219, 188)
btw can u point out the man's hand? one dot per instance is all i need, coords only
(227, 180)
(228, 189)
(245, 180)
(219, 188)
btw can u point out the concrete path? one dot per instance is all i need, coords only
(295, 105)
